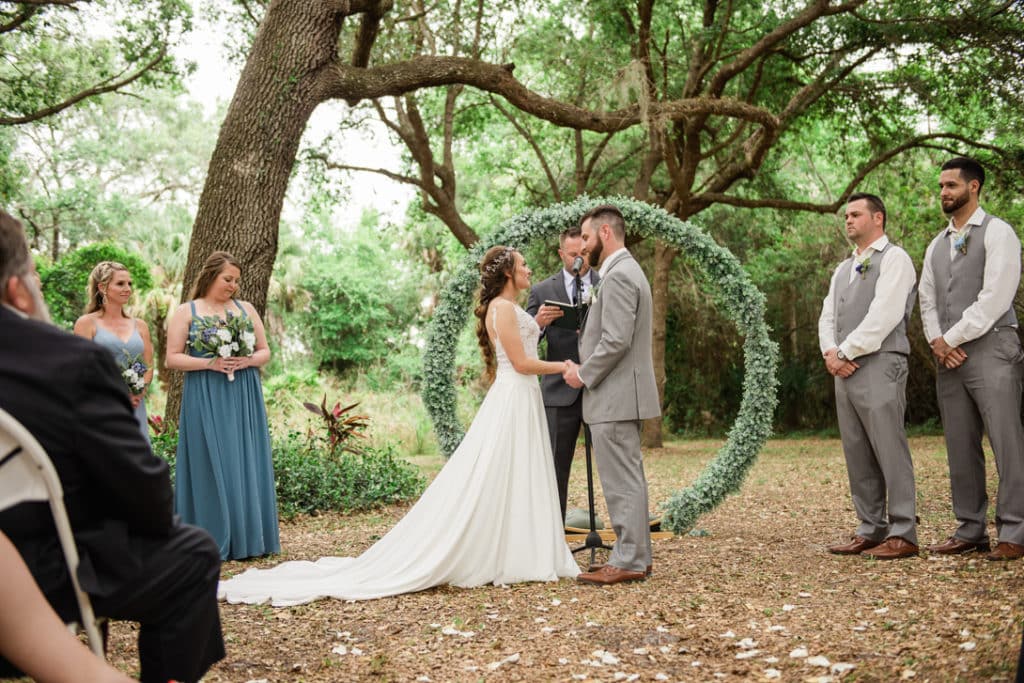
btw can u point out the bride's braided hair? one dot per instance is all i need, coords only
(495, 270)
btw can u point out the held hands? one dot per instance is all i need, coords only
(547, 314)
(947, 355)
(571, 375)
(839, 368)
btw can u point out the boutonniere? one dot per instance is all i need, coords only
(862, 267)
(960, 241)
(592, 295)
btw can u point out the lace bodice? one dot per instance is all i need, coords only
(529, 333)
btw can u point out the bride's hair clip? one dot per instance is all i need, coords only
(500, 262)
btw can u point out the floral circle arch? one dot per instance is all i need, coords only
(721, 271)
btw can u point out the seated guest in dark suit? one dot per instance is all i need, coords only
(138, 563)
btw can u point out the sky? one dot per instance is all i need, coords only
(214, 81)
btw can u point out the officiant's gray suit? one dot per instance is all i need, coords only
(563, 404)
(619, 391)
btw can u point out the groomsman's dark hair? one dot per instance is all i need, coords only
(969, 170)
(874, 203)
(569, 233)
(610, 214)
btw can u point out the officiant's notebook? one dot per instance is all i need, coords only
(571, 316)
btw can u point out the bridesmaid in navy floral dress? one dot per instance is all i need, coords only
(225, 477)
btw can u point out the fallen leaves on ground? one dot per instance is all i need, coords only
(751, 595)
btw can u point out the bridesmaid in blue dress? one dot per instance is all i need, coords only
(225, 477)
(106, 323)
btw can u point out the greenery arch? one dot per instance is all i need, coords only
(741, 301)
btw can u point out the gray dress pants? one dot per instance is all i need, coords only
(621, 468)
(871, 407)
(984, 396)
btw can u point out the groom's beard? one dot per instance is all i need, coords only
(594, 255)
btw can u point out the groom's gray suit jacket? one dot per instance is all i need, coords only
(615, 346)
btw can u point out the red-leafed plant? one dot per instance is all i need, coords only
(342, 425)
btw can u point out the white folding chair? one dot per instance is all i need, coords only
(26, 474)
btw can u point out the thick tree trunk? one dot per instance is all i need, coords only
(240, 206)
(664, 255)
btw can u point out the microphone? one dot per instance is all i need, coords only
(577, 265)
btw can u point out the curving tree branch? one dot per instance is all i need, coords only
(108, 86)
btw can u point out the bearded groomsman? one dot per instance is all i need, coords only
(863, 336)
(968, 280)
(563, 404)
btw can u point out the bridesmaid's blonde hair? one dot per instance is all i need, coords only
(102, 274)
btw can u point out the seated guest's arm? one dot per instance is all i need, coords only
(136, 486)
(33, 638)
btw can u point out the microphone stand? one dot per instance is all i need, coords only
(593, 540)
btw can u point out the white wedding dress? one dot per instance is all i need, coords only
(490, 516)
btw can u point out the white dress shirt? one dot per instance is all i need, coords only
(1002, 274)
(570, 281)
(895, 282)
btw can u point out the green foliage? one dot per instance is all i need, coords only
(164, 440)
(310, 479)
(53, 55)
(362, 303)
(64, 283)
(731, 289)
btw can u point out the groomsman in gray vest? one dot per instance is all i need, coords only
(862, 332)
(562, 404)
(619, 390)
(968, 280)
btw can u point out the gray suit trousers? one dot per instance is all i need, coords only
(871, 405)
(984, 395)
(621, 468)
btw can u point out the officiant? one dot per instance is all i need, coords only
(562, 403)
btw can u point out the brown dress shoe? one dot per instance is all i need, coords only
(597, 567)
(956, 546)
(893, 548)
(608, 575)
(1006, 551)
(855, 547)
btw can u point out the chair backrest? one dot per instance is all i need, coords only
(26, 474)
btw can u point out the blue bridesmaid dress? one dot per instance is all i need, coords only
(225, 475)
(123, 351)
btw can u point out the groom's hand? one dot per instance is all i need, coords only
(571, 375)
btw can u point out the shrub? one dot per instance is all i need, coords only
(164, 440)
(310, 479)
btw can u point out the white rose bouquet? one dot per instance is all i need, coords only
(224, 337)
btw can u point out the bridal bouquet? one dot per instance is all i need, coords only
(133, 372)
(223, 337)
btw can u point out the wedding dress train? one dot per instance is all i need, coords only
(490, 516)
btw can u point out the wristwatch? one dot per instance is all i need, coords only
(841, 356)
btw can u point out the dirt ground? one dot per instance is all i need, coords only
(751, 594)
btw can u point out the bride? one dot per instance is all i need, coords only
(491, 515)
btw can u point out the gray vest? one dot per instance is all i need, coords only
(959, 281)
(853, 299)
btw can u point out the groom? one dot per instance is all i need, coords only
(619, 390)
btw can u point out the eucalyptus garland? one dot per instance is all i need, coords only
(736, 295)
